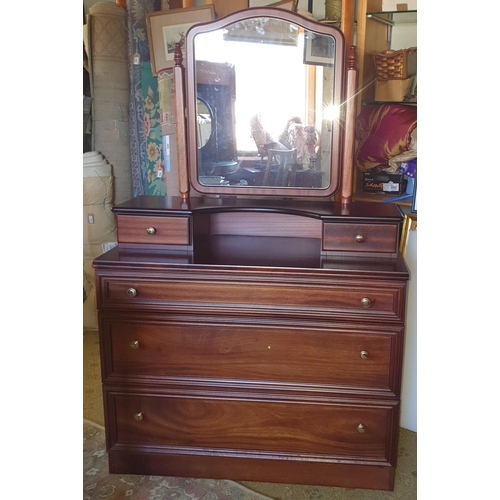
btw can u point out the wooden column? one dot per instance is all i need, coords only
(180, 118)
(350, 120)
(347, 21)
(371, 36)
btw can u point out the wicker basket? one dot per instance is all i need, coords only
(395, 64)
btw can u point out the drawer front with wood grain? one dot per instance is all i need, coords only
(384, 302)
(322, 358)
(153, 230)
(240, 426)
(379, 238)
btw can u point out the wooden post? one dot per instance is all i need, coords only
(347, 20)
(350, 120)
(180, 118)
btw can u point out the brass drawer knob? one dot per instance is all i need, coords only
(151, 230)
(135, 344)
(131, 292)
(365, 302)
(361, 428)
(364, 355)
(139, 416)
(360, 238)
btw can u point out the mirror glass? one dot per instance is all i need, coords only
(267, 97)
(204, 120)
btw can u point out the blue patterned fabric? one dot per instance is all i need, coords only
(152, 132)
(142, 88)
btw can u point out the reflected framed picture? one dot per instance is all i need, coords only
(166, 28)
(318, 49)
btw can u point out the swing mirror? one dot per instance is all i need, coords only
(264, 104)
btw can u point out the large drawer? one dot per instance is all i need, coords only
(378, 238)
(384, 302)
(245, 426)
(153, 230)
(364, 359)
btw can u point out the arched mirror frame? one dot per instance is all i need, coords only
(337, 145)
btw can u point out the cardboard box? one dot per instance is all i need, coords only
(382, 182)
(392, 4)
(392, 90)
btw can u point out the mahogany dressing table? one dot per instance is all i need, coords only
(256, 332)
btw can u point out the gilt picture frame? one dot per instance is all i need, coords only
(414, 201)
(409, 224)
(166, 28)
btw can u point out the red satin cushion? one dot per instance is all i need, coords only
(383, 132)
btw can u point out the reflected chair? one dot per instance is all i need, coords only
(280, 168)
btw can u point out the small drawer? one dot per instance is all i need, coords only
(153, 230)
(250, 425)
(364, 359)
(381, 238)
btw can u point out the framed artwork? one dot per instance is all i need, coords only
(283, 4)
(286, 4)
(318, 49)
(166, 28)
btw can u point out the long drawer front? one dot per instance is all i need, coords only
(252, 427)
(384, 302)
(325, 358)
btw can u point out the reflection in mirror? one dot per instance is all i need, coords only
(204, 120)
(215, 89)
(272, 98)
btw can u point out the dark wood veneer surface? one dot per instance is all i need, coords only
(327, 267)
(251, 352)
(358, 211)
(254, 341)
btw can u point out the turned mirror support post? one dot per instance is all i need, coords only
(180, 113)
(350, 118)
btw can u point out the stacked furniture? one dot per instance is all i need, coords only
(99, 226)
(107, 26)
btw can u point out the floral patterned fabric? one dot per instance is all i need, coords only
(152, 133)
(145, 130)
